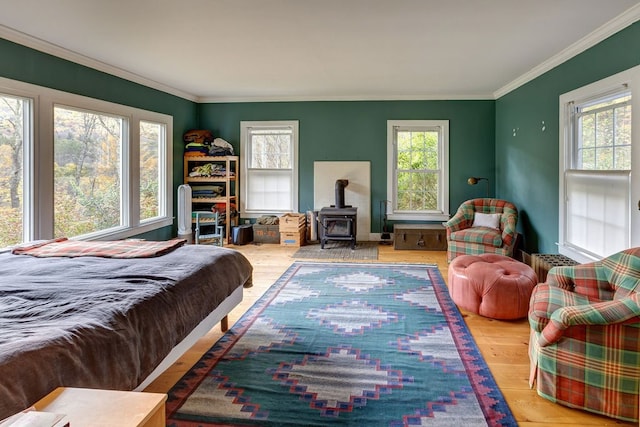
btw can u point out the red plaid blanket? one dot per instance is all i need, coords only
(64, 247)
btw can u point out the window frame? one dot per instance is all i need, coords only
(575, 113)
(440, 214)
(245, 176)
(163, 156)
(38, 171)
(28, 168)
(626, 81)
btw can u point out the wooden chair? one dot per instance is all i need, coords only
(208, 219)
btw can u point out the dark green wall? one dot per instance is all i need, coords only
(21, 63)
(527, 162)
(357, 131)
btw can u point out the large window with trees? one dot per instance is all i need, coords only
(417, 174)
(79, 167)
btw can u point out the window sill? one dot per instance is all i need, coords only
(576, 254)
(418, 217)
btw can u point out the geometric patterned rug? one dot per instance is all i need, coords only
(345, 344)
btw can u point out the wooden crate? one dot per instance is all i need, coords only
(292, 222)
(294, 238)
(420, 237)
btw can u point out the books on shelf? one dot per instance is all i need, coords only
(32, 418)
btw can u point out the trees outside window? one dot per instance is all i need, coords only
(152, 139)
(417, 179)
(14, 125)
(87, 172)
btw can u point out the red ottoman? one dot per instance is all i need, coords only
(491, 285)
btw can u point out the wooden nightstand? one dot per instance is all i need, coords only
(91, 407)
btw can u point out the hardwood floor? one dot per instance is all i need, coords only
(503, 344)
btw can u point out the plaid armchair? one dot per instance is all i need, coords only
(584, 347)
(464, 238)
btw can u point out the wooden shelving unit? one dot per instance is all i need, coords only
(228, 180)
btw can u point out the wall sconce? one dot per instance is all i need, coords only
(474, 180)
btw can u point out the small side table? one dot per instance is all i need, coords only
(108, 408)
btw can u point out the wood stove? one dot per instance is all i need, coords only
(339, 221)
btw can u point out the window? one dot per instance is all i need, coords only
(101, 170)
(153, 137)
(596, 169)
(87, 187)
(15, 143)
(269, 168)
(417, 175)
(602, 133)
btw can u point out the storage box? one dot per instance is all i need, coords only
(242, 234)
(294, 238)
(542, 263)
(421, 237)
(292, 222)
(266, 233)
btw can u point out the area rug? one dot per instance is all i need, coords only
(339, 250)
(353, 344)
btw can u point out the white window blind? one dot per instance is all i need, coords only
(269, 167)
(598, 210)
(269, 190)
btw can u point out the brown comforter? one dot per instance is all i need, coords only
(99, 322)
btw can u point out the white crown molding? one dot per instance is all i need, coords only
(232, 99)
(55, 50)
(610, 28)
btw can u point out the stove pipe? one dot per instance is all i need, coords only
(339, 189)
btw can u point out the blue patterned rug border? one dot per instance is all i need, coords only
(494, 406)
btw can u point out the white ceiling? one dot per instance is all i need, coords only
(232, 50)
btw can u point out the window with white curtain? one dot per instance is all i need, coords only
(595, 181)
(269, 162)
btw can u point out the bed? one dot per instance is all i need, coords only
(106, 321)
